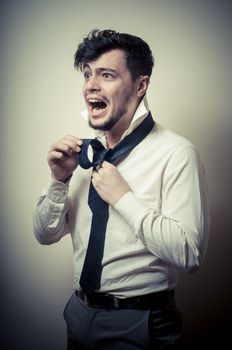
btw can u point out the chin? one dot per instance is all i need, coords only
(96, 125)
(99, 124)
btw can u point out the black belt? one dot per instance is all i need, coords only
(109, 301)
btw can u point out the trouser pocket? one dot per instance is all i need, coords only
(166, 329)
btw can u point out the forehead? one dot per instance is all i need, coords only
(113, 59)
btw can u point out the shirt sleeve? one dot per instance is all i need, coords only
(50, 215)
(178, 232)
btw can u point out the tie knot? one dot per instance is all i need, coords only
(99, 157)
(119, 152)
(99, 153)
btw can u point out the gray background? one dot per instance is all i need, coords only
(41, 100)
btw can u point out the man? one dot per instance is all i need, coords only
(152, 218)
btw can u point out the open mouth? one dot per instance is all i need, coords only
(96, 106)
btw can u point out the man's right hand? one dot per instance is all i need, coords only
(62, 157)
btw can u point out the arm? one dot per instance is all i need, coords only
(178, 234)
(50, 215)
(50, 218)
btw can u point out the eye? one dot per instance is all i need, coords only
(86, 75)
(107, 76)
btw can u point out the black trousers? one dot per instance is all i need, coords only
(122, 329)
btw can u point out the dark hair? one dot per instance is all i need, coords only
(138, 53)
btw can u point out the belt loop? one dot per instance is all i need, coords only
(116, 304)
(86, 299)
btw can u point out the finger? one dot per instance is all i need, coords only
(98, 167)
(67, 146)
(95, 175)
(55, 156)
(96, 179)
(71, 141)
(74, 145)
(107, 165)
(100, 171)
(74, 139)
(63, 148)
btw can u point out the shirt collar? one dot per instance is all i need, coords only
(140, 114)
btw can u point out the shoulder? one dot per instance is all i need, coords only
(167, 141)
(172, 147)
(169, 138)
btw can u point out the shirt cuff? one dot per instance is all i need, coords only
(132, 210)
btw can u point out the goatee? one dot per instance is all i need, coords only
(110, 123)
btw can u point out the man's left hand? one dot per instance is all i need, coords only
(109, 183)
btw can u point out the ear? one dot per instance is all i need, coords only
(143, 82)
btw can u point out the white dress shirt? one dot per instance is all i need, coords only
(158, 228)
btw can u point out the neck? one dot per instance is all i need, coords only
(114, 135)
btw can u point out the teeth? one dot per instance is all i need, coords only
(94, 100)
(96, 103)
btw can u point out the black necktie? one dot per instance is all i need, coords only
(91, 273)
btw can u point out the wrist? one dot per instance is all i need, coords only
(118, 198)
(63, 180)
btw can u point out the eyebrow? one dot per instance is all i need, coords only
(100, 69)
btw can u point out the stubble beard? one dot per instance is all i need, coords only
(111, 122)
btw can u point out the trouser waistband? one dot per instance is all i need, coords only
(109, 301)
